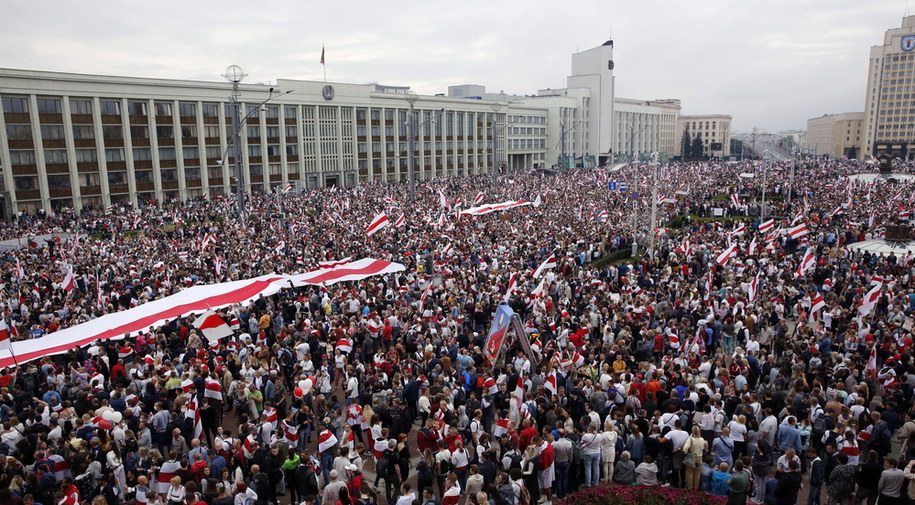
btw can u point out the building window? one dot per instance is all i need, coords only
(19, 132)
(187, 109)
(273, 132)
(79, 106)
(49, 106)
(291, 131)
(55, 156)
(166, 153)
(22, 157)
(189, 131)
(14, 105)
(254, 151)
(86, 156)
(58, 181)
(272, 112)
(254, 131)
(143, 176)
(83, 132)
(139, 132)
(192, 174)
(163, 109)
(273, 150)
(210, 110)
(213, 152)
(136, 108)
(290, 111)
(116, 178)
(169, 174)
(112, 132)
(110, 108)
(52, 132)
(292, 149)
(165, 132)
(27, 183)
(191, 152)
(114, 155)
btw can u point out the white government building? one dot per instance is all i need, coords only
(88, 141)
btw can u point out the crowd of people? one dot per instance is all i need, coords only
(741, 357)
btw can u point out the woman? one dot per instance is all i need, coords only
(425, 472)
(244, 495)
(646, 474)
(591, 448)
(529, 465)
(849, 447)
(403, 451)
(738, 429)
(608, 450)
(176, 492)
(115, 465)
(625, 470)
(760, 464)
(693, 450)
(460, 458)
(380, 443)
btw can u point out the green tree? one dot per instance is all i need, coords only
(684, 145)
(696, 152)
(736, 146)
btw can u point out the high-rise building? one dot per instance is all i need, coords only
(889, 115)
(645, 126)
(593, 69)
(835, 134)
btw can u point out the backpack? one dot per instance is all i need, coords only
(507, 493)
(444, 467)
(751, 484)
(424, 472)
(819, 423)
(382, 466)
(515, 461)
(524, 497)
(881, 435)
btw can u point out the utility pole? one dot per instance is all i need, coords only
(765, 163)
(655, 161)
(495, 119)
(234, 75)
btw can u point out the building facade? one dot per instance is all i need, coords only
(77, 141)
(646, 126)
(836, 134)
(593, 69)
(889, 118)
(713, 129)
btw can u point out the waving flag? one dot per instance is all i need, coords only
(751, 250)
(67, 283)
(739, 230)
(5, 341)
(798, 231)
(492, 207)
(212, 326)
(550, 383)
(537, 201)
(345, 345)
(326, 441)
(754, 288)
(550, 262)
(870, 300)
(378, 222)
(817, 303)
(806, 263)
(400, 221)
(765, 226)
(335, 263)
(872, 364)
(511, 286)
(726, 255)
(478, 199)
(442, 200)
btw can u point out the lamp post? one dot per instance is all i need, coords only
(655, 157)
(411, 145)
(235, 75)
(762, 210)
(496, 107)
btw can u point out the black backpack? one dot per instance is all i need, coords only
(424, 472)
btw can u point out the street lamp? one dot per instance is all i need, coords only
(411, 145)
(655, 157)
(496, 107)
(235, 75)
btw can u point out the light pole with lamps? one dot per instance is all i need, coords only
(496, 107)
(655, 157)
(411, 145)
(235, 75)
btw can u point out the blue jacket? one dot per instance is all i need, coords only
(788, 437)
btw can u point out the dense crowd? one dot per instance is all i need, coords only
(737, 359)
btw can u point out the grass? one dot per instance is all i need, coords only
(618, 257)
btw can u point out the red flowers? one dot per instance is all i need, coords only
(642, 495)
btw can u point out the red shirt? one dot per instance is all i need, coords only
(527, 434)
(546, 457)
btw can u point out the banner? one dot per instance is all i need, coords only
(498, 330)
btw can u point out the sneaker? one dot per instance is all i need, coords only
(666, 484)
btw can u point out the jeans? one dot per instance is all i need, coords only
(813, 498)
(592, 469)
(327, 464)
(562, 478)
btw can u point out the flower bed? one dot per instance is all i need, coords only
(641, 495)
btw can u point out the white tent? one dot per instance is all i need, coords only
(884, 246)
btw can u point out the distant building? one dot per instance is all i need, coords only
(889, 118)
(713, 129)
(646, 126)
(836, 134)
(593, 69)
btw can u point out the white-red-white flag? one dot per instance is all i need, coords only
(6, 341)
(754, 288)
(798, 231)
(212, 326)
(550, 262)
(766, 226)
(479, 198)
(512, 281)
(378, 222)
(67, 283)
(807, 262)
(817, 303)
(870, 300)
(400, 221)
(726, 255)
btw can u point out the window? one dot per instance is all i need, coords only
(19, 132)
(139, 132)
(292, 149)
(55, 156)
(187, 109)
(169, 174)
(136, 108)
(165, 132)
(49, 106)
(163, 109)
(254, 151)
(389, 131)
(192, 174)
(191, 152)
(114, 155)
(14, 105)
(83, 132)
(257, 170)
(89, 179)
(388, 114)
(58, 181)
(273, 131)
(291, 131)
(143, 176)
(250, 110)
(273, 111)
(376, 114)
(290, 111)
(142, 154)
(52, 132)
(109, 132)
(110, 108)
(80, 106)
(22, 157)
(253, 131)
(189, 131)
(210, 110)
(117, 177)
(213, 152)
(273, 150)
(27, 183)
(166, 153)
(86, 155)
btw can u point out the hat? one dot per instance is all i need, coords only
(352, 468)
(353, 455)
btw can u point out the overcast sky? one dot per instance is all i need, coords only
(771, 63)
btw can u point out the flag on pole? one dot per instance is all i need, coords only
(726, 255)
(764, 227)
(550, 262)
(511, 286)
(754, 288)
(806, 263)
(478, 199)
(67, 283)
(798, 231)
(322, 55)
(870, 300)
(6, 342)
(212, 326)
(817, 303)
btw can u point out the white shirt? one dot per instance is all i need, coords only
(406, 499)
(737, 431)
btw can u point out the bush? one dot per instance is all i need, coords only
(641, 495)
(617, 257)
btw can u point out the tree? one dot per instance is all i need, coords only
(736, 146)
(696, 152)
(684, 145)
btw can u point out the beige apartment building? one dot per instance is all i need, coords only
(836, 134)
(713, 129)
(889, 115)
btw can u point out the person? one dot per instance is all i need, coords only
(789, 484)
(867, 477)
(817, 476)
(909, 474)
(406, 495)
(562, 451)
(624, 472)
(889, 487)
(176, 492)
(391, 476)
(739, 485)
(354, 482)
(646, 474)
(425, 472)
(529, 466)
(545, 471)
(693, 450)
(723, 448)
(474, 481)
(591, 448)
(720, 478)
(607, 451)
(244, 495)
(332, 490)
(841, 487)
(452, 491)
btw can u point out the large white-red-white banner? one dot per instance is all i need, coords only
(193, 300)
(492, 207)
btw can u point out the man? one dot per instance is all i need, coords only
(789, 484)
(841, 486)
(890, 484)
(768, 428)
(332, 489)
(723, 448)
(562, 452)
(817, 476)
(178, 443)
(545, 472)
(789, 437)
(406, 496)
